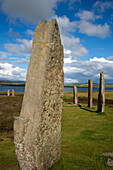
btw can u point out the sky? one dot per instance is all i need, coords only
(86, 29)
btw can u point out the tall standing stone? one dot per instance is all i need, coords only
(13, 92)
(75, 98)
(90, 97)
(101, 95)
(8, 92)
(37, 131)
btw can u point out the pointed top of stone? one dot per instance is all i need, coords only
(43, 22)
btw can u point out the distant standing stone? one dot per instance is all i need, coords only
(90, 96)
(101, 95)
(75, 98)
(13, 92)
(37, 131)
(8, 92)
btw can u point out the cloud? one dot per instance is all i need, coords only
(24, 47)
(102, 6)
(102, 59)
(11, 72)
(87, 15)
(3, 56)
(72, 70)
(29, 32)
(101, 31)
(13, 34)
(23, 60)
(89, 69)
(66, 25)
(74, 45)
(68, 80)
(29, 11)
(87, 26)
(110, 58)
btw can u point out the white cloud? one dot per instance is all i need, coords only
(102, 6)
(11, 72)
(102, 59)
(110, 58)
(89, 69)
(13, 34)
(29, 32)
(87, 26)
(68, 80)
(23, 60)
(3, 57)
(85, 15)
(69, 60)
(73, 44)
(29, 10)
(67, 51)
(66, 25)
(90, 29)
(72, 70)
(24, 47)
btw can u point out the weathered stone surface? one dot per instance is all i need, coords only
(37, 131)
(101, 95)
(8, 92)
(75, 98)
(13, 92)
(90, 96)
(109, 161)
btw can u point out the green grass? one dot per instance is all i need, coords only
(7, 155)
(85, 135)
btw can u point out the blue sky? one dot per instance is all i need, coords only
(86, 28)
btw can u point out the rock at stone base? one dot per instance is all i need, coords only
(37, 131)
(109, 161)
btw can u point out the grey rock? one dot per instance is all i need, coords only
(90, 96)
(75, 98)
(37, 131)
(8, 92)
(101, 95)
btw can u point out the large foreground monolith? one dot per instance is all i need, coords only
(101, 95)
(37, 131)
(90, 97)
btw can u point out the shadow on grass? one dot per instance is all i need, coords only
(89, 109)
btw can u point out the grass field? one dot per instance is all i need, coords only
(85, 133)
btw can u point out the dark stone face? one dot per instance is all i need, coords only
(37, 132)
(101, 95)
(90, 96)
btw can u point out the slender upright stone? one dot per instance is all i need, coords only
(101, 95)
(75, 98)
(37, 131)
(13, 92)
(8, 92)
(90, 97)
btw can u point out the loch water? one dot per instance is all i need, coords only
(20, 89)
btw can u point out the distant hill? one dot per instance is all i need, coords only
(11, 83)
